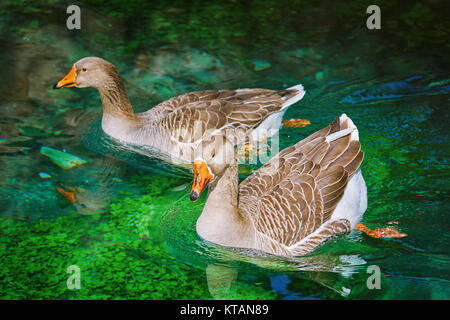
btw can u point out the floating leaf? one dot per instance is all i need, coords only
(297, 123)
(381, 233)
(64, 160)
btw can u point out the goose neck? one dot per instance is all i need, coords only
(222, 221)
(114, 98)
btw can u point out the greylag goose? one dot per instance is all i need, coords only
(296, 201)
(184, 124)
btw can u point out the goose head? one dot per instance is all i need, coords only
(89, 72)
(211, 165)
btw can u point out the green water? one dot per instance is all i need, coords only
(393, 83)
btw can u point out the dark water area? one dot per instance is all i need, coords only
(141, 242)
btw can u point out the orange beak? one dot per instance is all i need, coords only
(68, 81)
(202, 176)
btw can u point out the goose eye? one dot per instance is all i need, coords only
(84, 69)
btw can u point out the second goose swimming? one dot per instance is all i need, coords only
(296, 201)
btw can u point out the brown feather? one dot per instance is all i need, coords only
(349, 154)
(337, 148)
(354, 165)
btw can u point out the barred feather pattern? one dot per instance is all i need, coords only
(296, 192)
(196, 117)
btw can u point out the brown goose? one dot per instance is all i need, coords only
(184, 125)
(301, 197)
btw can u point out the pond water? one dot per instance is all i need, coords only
(141, 242)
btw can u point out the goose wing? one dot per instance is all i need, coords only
(297, 191)
(192, 117)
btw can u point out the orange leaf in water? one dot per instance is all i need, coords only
(296, 123)
(388, 233)
(381, 233)
(68, 194)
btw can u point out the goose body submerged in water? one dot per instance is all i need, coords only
(184, 125)
(301, 197)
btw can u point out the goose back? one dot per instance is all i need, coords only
(296, 192)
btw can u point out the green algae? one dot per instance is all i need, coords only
(119, 254)
(114, 261)
(110, 268)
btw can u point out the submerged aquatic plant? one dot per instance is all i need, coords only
(120, 254)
